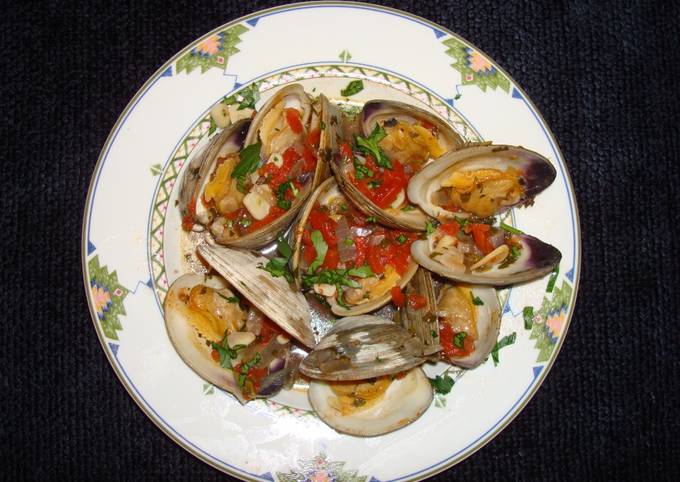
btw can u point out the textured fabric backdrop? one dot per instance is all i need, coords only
(604, 76)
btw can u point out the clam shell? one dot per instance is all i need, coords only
(536, 171)
(422, 322)
(327, 147)
(296, 237)
(377, 112)
(187, 341)
(488, 321)
(197, 173)
(273, 296)
(536, 259)
(362, 347)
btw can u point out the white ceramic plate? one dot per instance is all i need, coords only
(132, 249)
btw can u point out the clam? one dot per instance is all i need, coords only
(469, 322)
(363, 347)
(420, 318)
(223, 342)
(226, 145)
(372, 407)
(346, 259)
(506, 258)
(366, 379)
(250, 195)
(480, 181)
(276, 298)
(396, 141)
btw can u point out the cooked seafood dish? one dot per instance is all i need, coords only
(381, 245)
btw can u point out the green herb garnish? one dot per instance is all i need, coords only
(374, 184)
(442, 384)
(354, 87)
(361, 171)
(510, 229)
(321, 249)
(407, 208)
(553, 279)
(459, 339)
(369, 145)
(401, 239)
(476, 300)
(431, 226)
(245, 222)
(278, 266)
(348, 241)
(503, 342)
(461, 221)
(229, 299)
(249, 160)
(227, 353)
(528, 314)
(371, 219)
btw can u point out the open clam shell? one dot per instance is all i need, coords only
(273, 296)
(473, 310)
(422, 321)
(250, 209)
(375, 289)
(200, 314)
(534, 260)
(403, 401)
(197, 174)
(363, 347)
(481, 180)
(412, 138)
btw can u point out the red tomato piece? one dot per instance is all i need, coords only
(293, 119)
(417, 301)
(397, 296)
(480, 233)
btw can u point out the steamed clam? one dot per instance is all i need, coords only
(366, 379)
(481, 181)
(396, 140)
(479, 253)
(233, 347)
(247, 196)
(346, 258)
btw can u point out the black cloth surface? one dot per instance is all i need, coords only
(605, 77)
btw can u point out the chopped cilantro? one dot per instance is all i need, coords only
(503, 342)
(374, 184)
(249, 159)
(442, 384)
(476, 300)
(278, 266)
(227, 353)
(348, 241)
(354, 87)
(321, 249)
(553, 279)
(369, 145)
(401, 239)
(459, 339)
(510, 229)
(407, 208)
(431, 226)
(245, 222)
(371, 219)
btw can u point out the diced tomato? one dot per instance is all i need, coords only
(361, 245)
(346, 151)
(480, 233)
(290, 155)
(309, 252)
(417, 301)
(293, 119)
(275, 212)
(397, 296)
(446, 335)
(269, 330)
(390, 183)
(331, 259)
(256, 375)
(451, 228)
(427, 125)
(309, 158)
(188, 220)
(314, 137)
(323, 222)
(279, 175)
(215, 355)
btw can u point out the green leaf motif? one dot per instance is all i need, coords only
(107, 297)
(345, 56)
(474, 67)
(156, 170)
(213, 51)
(548, 321)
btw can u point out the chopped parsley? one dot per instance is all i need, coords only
(515, 251)
(360, 170)
(510, 229)
(401, 239)
(282, 202)
(229, 299)
(407, 208)
(354, 87)
(476, 300)
(245, 368)
(249, 160)
(278, 266)
(431, 226)
(338, 277)
(503, 342)
(348, 241)
(461, 221)
(371, 219)
(553, 279)
(442, 384)
(369, 145)
(246, 99)
(374, 184)
(245, 222)
(459, 339)
(528, 314)
(321, 249)
(227, 353)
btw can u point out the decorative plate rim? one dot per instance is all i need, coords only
(148, 410)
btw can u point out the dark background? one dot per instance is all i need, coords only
(603, 74)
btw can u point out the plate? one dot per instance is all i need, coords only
(132, 246)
